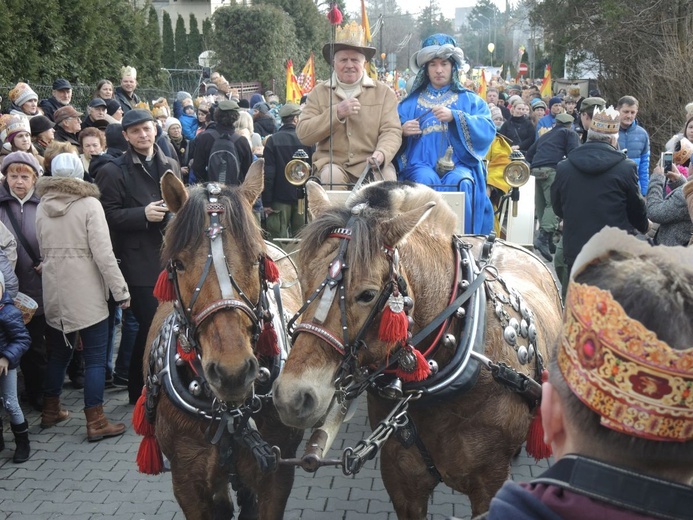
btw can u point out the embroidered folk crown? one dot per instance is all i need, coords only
(619, 369)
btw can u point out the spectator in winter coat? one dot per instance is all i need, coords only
(96, 111)
(80, 272)
(519, 129)
(264, 122)
(547, 151)
(104, 90)
(42, 133)
(547, 122)
(23, 101)
(61, 96)
(125, 93)
(18, 203)
(67, 125)
(14, 342)
(634, 139)
(670, 212)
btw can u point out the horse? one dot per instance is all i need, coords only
(448, 334)
(214, 350)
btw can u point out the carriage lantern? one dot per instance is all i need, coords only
(297, 172)
(516, 174)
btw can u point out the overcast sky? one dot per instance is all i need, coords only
(416, 6)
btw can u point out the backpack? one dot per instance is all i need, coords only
(223, 165)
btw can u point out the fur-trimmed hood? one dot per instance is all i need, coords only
(59, 193)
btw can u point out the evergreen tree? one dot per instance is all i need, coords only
(168, 52)
(152, 41)
(262, 57)
(207, 34)
(181, 43)
(194, 40)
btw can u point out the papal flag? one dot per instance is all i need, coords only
(370, 66)
(293, 90)
(306, 80)
(545, 90)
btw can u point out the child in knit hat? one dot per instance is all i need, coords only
(14, 342)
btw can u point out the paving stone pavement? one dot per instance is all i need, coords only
(68, 477)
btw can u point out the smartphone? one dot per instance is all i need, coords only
(667, 161)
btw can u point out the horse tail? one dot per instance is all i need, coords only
(150, 460)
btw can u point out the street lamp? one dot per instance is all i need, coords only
(491, 47)
(488, 22)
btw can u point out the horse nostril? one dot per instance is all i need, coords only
(306, 403)
(214, 372)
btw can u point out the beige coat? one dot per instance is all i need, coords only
(79, 267)
(375, 128)
(688, 193)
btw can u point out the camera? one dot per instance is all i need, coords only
(667, 161)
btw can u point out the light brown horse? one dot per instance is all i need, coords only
(469, 438)
(217, 316)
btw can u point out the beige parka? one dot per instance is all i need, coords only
(79, 267)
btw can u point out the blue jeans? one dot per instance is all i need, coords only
(8, 387)
(94, 340)
(128, 332)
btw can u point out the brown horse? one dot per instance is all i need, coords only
(465, 426)
(205, 396)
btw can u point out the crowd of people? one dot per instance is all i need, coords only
(82, 216)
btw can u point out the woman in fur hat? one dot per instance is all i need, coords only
(79, 272)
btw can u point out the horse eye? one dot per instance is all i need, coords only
(366, 296)
(179, 266)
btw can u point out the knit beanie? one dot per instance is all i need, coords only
(171, 121)
(22, 93)
(112, 106)
(21, 158)
(40, 124)
(67, 165)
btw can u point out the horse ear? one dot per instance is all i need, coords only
(398, 228)
(318, 201)
(173, 191)
(254, 181)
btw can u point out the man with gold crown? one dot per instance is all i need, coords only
(125, 93)
(597, 186)
(351, 119)
(448, 131)
(617, 408)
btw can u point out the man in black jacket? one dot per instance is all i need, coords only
(280, 197)
(597, 186)
(546, 152)
(131, 198)
(61, 96)
(225, 115)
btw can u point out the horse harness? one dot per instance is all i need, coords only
(175, 354)
(474, 282)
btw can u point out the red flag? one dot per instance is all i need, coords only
(293, 90)
(306, 80)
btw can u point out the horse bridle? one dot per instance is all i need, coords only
(257, 312)
(333, 286)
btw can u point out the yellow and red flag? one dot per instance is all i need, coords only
(545, 90)
(306, 80)
(482, 85)
(370, 66)
(293, 90)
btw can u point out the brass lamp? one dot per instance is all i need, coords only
(516, 174)
(297, 172)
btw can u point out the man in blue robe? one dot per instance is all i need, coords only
(439, 116)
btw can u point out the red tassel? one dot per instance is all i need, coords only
(186, 356)
(267, 343)
(335, 15)
(150, 461)
(536, 447)
(393, 327)
(421, 372)
(139, 420)
(271, 270)
(164, 290)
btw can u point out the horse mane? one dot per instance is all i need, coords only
(187, 230)
(370, 207)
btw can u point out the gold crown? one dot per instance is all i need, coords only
(351, 34)
(127, 70)
(160, 108)
(606, 121)
(143, 105)
(619, 369)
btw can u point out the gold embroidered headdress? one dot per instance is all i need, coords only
(638, 384)
(606, 121)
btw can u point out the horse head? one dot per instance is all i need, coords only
(350, 274)
(214, 251)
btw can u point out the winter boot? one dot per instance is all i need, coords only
(52, 412)
(21, 439)
(541, 244)
(98, 426)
